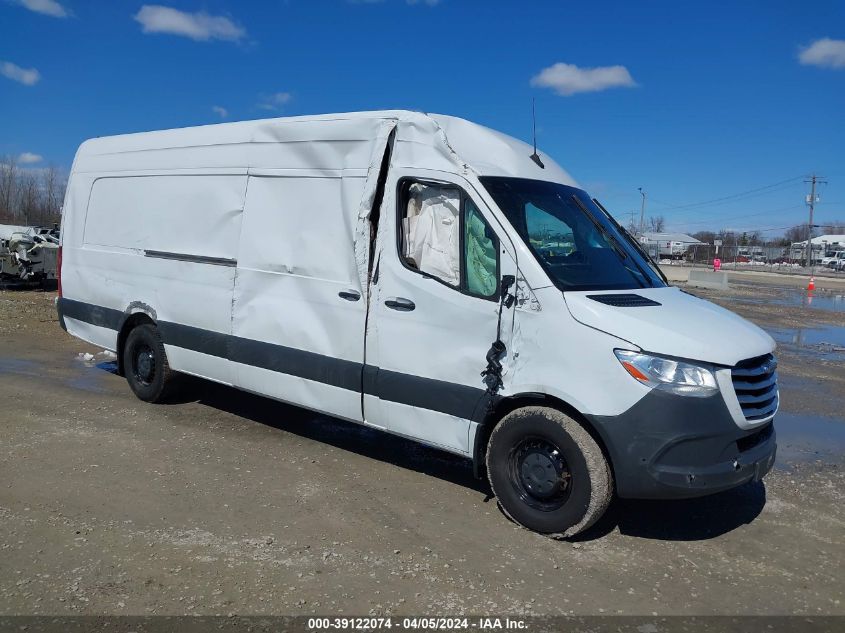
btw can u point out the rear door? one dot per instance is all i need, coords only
(434, 308)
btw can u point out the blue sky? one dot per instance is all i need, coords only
(693, 101)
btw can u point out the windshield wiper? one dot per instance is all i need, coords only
(610, 239)
(633, 242)
(614, 244)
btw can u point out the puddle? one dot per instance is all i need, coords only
(87, 375)
(17, 366)
(828, 341)
(806, 438)
(91, 377)
(830, 300)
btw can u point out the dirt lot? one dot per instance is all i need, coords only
(231, 503)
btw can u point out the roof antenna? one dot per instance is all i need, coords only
(535, 156)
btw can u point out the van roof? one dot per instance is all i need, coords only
(481, 149)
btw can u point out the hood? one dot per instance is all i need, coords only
(682, 325)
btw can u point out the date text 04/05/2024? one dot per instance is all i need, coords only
(420, 623)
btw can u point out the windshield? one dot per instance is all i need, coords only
(576, 242)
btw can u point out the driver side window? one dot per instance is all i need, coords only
(442, 234)
(481, 250)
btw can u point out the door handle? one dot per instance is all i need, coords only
(349, 295)
(400, 303)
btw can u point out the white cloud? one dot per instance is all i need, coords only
(220, 111)
(46, 7)
(274, 101)
(27, 158)
(199, 26)
(26, 76)
(568, 79)
(825, 52)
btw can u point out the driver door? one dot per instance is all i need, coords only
(434, 309)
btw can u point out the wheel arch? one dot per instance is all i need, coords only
(130, 322)
(506, 405)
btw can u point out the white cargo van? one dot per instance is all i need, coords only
(426, 276)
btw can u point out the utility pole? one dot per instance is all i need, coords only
(632, 225)
(811, 202)
(642, 211)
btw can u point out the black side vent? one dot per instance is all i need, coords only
(623, 301)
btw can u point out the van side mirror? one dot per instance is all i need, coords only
(507, 282)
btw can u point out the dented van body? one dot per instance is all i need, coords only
(423, 275)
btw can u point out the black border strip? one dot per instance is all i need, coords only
(426, 393)
(453, 399)
(195, 339)
(337, 372)
(89, 313)
(196, 259)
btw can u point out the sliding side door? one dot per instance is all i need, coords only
(298, 312)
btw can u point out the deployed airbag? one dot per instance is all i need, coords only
(432, 231)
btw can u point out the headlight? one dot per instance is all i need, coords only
(665, 374)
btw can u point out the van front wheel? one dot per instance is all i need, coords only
(547, 472)
(145, 364)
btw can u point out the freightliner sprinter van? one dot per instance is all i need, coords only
(426, 276)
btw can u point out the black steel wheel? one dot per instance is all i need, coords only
(143, 364)
(145, 361)
(539, 473)
(547, 472)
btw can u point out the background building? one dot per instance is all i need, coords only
(668, 245)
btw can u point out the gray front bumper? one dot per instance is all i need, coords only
(668, 446)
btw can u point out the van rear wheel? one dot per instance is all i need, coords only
(145, 364)
(547, 472)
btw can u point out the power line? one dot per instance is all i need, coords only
(713, 220)
(743, 201)
(748, 193)
(752, 229)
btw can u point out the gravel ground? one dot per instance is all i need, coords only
(230, 503)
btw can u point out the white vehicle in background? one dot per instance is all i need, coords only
(835, 261)
(422, 275)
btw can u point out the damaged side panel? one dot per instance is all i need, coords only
(299, 294)
(369, 207)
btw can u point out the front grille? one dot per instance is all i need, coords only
(756, 385)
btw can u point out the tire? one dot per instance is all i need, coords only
(547, 472)
(145, 364)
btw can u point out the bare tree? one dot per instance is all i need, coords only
(797, 233)
(656, 223)
(30, 196)
(8, 189)
(837, 227)
(705, 236)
